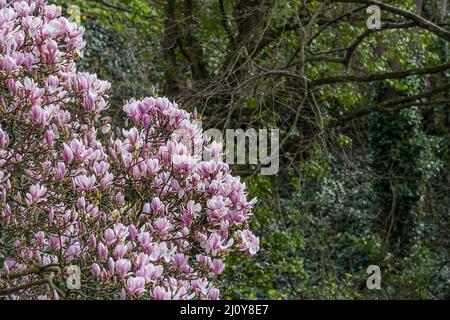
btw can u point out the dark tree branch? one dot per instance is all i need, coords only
(171, 34)
(420, 21)
(381, 76)
(387, 106)
(39, 282)
(224, 21)
(31, 270)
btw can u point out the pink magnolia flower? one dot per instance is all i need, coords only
(152, 166)
(163, 226)
(193, 207)
(144, 239)
(180, 261)
(51, 215)
(67, 153)
(81, 203)
(93, 241)
(111, 265)
(4, 139)
(95, 270)
(249, 242)
(120, 231)
(36, 194)
(60, 171)
(120, 251)
(215, 150)
(24, 9)
(132, 135)
(119, 198)
(55, 243)
(100, 168)
(110, 237)
(85, 183)
(183, 163)
(132, 231)
(102, 251)
(135, 286)
(72, 252)
(40, 116)
(160, 293)
(218, 266)
(106, 180)
(123, 266)
(157, 206)
(49, 137)
(8, 64)
(40, 238)
(79, 150)
(217, 208)
(141, 260)
(213, 294)
(214, 244)
(32, 90)
(146, 208)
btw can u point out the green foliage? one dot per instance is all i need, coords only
(277, 270)
(401, 151)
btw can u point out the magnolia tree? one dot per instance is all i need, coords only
(140, 214)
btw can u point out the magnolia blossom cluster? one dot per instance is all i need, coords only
(137, 210)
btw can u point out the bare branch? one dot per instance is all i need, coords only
(381, 76)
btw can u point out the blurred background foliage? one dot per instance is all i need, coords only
(353, 189)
